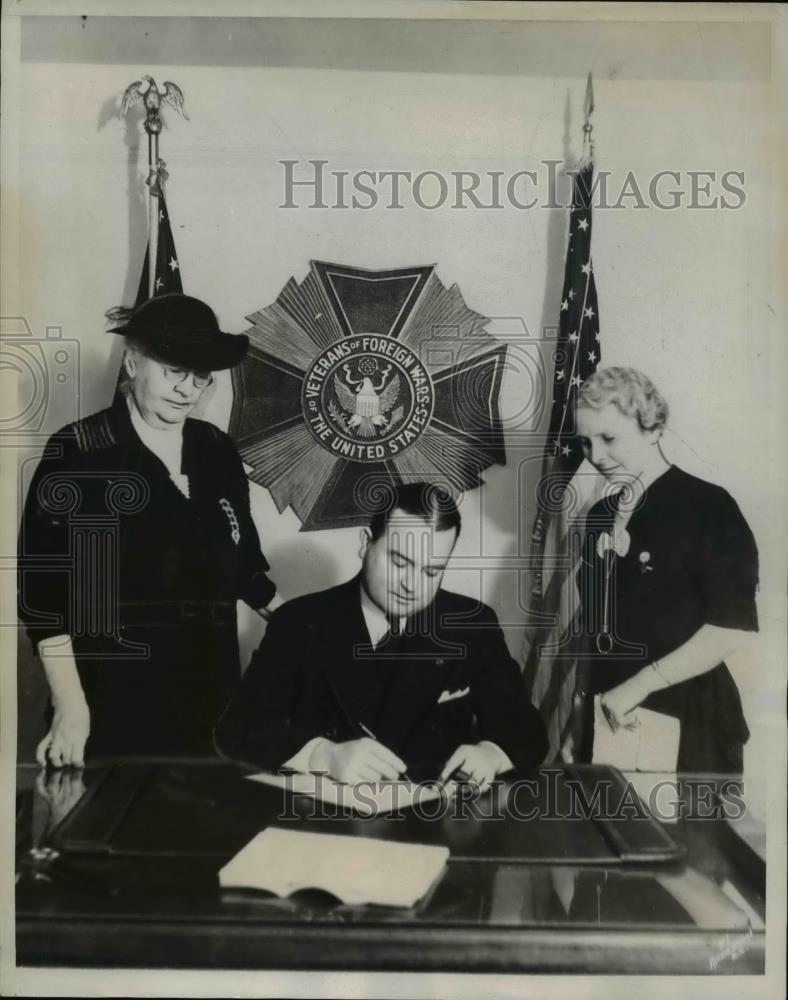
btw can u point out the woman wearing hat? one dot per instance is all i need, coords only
(667, 581)
(135, 544)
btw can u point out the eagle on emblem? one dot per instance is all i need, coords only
(367, 403)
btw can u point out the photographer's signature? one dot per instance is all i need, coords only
(733, 947)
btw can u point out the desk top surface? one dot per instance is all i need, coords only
(122, 854)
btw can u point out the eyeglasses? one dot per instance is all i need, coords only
(177, 376)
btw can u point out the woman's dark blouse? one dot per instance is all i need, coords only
(692, 561)
(144, 580)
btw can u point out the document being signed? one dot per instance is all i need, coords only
(367, 798)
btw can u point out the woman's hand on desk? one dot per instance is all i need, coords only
(64, 744)
(357, 760)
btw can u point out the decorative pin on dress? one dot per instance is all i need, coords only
(227, 507)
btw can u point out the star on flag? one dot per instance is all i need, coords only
(167, 276)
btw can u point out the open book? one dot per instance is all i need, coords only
(652, 746)
(354, 869)
(367, 798)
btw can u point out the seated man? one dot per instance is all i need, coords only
(387, 674)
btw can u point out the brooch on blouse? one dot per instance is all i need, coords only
(227, 507)
(645, 562)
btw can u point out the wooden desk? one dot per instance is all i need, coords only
(133, 883)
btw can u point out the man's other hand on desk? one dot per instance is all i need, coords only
(356, 760)
(480, 761)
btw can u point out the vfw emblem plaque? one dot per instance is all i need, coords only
(358, 379)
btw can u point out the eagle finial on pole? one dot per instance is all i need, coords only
(146, 92)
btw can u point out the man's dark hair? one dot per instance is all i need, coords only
(426, 500)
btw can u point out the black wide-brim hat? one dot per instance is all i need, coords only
(183, 331)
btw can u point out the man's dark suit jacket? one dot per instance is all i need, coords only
(316, 674)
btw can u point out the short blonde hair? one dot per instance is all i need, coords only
(632, 392)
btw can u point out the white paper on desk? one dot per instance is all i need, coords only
(367, 798)
(354, 869)
(652, 746)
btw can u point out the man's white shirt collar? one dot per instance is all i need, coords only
(376, 621)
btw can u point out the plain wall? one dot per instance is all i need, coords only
(684, 294)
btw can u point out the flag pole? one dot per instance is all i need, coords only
(552, 659)
(153, 204)
(146, 92)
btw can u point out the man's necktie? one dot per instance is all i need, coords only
(390, 635)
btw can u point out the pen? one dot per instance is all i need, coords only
(372, 736)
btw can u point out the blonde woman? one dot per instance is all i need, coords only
(667, 581)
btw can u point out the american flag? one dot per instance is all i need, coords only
(566, 491)
(167, 277)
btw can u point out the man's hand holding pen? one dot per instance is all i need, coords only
(364, 759)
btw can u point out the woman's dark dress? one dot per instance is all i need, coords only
(692, 561)
(143, 579)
